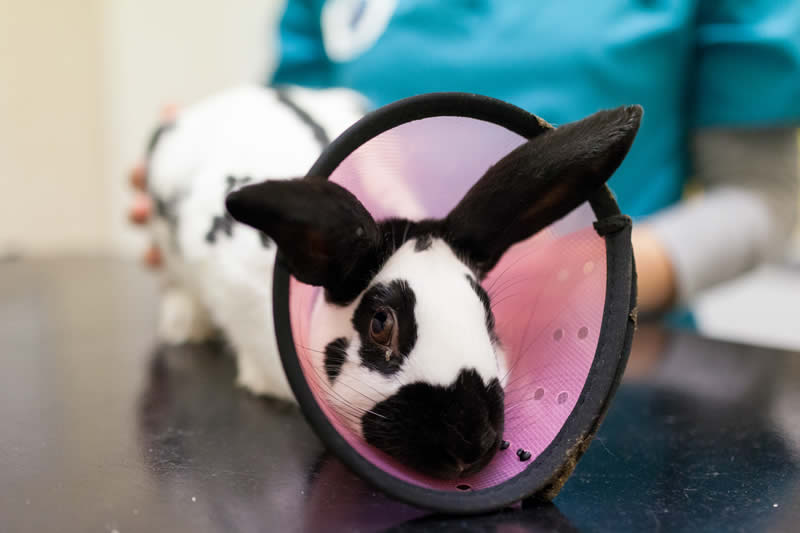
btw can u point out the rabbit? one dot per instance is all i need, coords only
(407, 344)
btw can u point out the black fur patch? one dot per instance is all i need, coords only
(400, 297)
(166, 208)
(445, 432)
(319, 132)
(335, 356)
(156, 136)
(222, 223)
(487, 305)
(398, 231)
(225, 222)
(231, 182)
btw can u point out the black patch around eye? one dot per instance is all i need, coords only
(400, 297)
(423, 243)
(487, 305)
(335, 356)
(379, 321)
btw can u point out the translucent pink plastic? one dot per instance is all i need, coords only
(548, 292)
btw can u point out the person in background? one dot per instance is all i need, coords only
(719, 82)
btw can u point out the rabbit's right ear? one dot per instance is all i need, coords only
(538, 183)
(326, 236)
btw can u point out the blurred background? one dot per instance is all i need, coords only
(81, 85)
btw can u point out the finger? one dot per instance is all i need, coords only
(138, 176)
(169, 112)
(153, 257)
(141, 210)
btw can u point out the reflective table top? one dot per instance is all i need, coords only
(102, 430)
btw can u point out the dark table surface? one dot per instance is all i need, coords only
(101, 430)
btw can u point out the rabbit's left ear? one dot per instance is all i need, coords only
(326, 236)
(538, 183)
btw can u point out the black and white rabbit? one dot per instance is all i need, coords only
(408, 344)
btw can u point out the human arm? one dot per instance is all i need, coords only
(744, 216)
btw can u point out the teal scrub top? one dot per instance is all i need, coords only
(690, 63)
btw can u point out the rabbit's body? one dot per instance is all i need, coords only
(219, 272)
(403, 340)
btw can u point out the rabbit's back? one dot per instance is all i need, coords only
(218, 273)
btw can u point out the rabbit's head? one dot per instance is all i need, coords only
(411, 358)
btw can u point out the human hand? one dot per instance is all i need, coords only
(141, 209)
(657, 284)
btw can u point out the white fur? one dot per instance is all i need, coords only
(183, 318)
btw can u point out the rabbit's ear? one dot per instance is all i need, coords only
(326, 236)
(538, 183)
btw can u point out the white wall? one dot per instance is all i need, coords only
(175, 51)
(51, 127)
(81, 84)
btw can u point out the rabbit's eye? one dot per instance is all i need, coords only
(381, 328)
